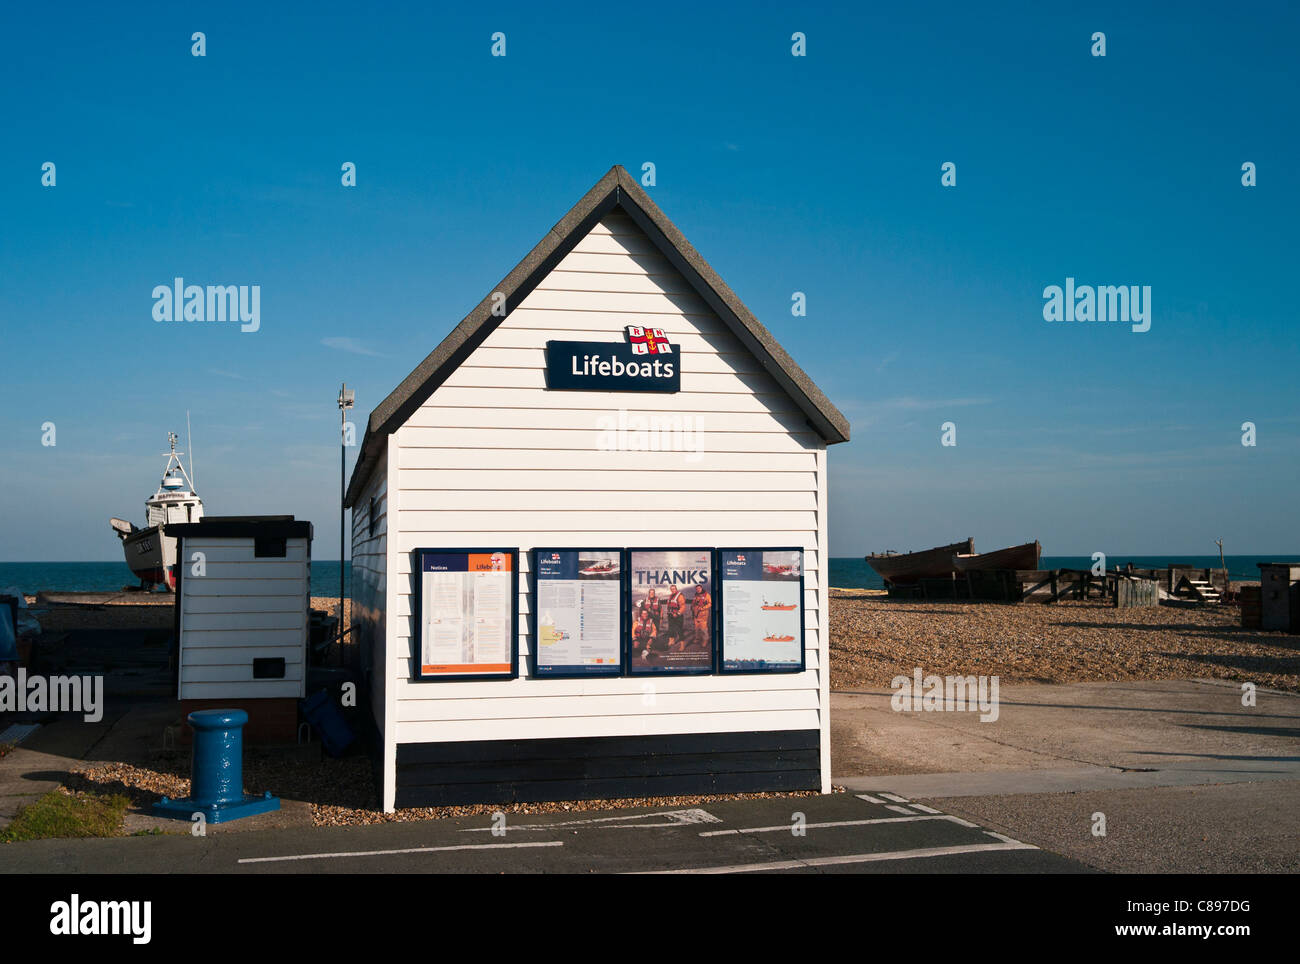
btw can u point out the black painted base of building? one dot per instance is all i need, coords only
(597, 768)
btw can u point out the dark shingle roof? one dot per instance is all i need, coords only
(617, 189)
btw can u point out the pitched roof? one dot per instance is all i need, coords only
(617, 189)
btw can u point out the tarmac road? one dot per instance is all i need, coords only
(843, 833)
(1189, 779)
(1209, 829)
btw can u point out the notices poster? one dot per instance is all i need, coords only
(671, 615)
(761, 610)
(579, 609)
(466, 613)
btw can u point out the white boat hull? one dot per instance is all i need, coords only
(151, 555)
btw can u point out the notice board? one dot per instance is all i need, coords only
(670, 616)
(577, 612)
(466, 607)
(761, 626)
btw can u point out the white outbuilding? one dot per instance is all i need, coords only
(243, 619)
(612, 406)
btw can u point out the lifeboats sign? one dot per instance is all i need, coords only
(647, 363)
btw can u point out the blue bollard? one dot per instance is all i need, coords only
(217, 772)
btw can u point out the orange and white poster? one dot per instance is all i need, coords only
(761, 627)
(466, 613)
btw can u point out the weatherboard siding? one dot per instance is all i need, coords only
(493, 459)
(242, 608)
(572, 768)
(370, 583)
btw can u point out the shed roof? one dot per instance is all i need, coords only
(244, 526)
(617, 189)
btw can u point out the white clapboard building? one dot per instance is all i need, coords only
(243, 618)
(474, 449)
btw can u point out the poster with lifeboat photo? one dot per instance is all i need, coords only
(578, 612)
(762, 610)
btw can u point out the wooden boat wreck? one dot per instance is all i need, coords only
(907, 568)
(1013, 557)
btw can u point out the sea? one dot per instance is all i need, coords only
(846, 572)
(32, 577)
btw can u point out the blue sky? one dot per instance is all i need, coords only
(818, 174)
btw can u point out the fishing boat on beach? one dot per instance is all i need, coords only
(1013, 557)
(905, 568)
(150, 552)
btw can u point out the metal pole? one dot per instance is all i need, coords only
(346, 400)
(343, 462)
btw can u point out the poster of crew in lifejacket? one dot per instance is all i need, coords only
(671, 595)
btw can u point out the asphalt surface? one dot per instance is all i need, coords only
(842, 833)
(1188, 779)
(1213, 829)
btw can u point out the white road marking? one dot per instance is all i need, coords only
(896, 808)
(839, 823)
(1003, 837)
(848, 859)
(676, 818)
(407, 850)
(895, 797)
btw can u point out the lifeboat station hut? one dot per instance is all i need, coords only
(589, 531)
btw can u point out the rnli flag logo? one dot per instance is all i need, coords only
(648, 341)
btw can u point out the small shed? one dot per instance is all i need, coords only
(243, 618)
(1279, 588)
(609, 430)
